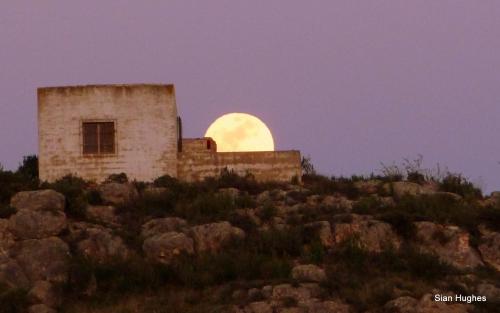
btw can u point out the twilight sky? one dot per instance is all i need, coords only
(350, 83)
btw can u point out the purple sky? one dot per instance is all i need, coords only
(350, 83)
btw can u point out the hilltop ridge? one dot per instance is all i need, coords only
(230, 244)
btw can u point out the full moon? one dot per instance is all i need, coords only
(240, 132)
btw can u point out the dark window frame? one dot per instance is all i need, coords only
(100, 147)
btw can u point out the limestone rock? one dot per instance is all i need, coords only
(44, 292)
(368, 186)
(232, 193)
(41, 308)
(373, 235)
(162, 225)
(402, 305)
(339, 202)
(43, 259)
(155, 191)
(309, 272)
(28, 224)
(105, 214)
(97, 243)
(39, 200)
(323, 230)
(402, 188)
(287, 291)
(258, 307)
(6, 238)
(211, 237)
(116, 193)
(162, 248)
(12, 274)
(425, 305)
(491, 292)
(328, 307)
(449, 243)
(490, 248)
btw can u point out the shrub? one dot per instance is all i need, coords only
(73, 188)
(206, 207)
(268, 211)
(402, 223)
(120, 178)
(458, 184)
(13, 300)
(6, 211)
(367, 205)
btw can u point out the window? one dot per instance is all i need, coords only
(98, 137)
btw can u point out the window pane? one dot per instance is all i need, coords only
(107, 137)
(89, 131)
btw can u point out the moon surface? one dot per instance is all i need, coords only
(240, 132)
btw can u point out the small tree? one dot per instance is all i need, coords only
(29, 167)
(307, 166)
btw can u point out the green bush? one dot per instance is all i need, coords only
(74, 190)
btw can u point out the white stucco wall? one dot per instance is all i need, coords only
(146, 131)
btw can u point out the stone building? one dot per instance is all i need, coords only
(98, 130)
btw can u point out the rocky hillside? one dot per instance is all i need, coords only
(232, 245)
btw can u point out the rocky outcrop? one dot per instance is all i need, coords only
(373, 235)
(117, 194)
(163, 225)
(45, 259)
(29, 224)
(449, 243)
(97, 243)
(39, 200)
(211, 237)
(490, 247)
(309, 273)
(402, 188)
(162, 248)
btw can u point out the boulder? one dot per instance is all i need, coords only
(425, 305)
(491, 292)
(211, 237)
(43, 259)
(402, 188)
(287, 291)
(162, 248)
(258, 307)
(155, 191)
(105, 214)
(328, 307)
(338, 202)
(41, 308)
(6, 238)
(27, 224)
(323, 230)
(162, 225)
(373, 235)
(44, 292)
(97, 243)
(490, 247)
(38, 200)
(232, 193)
(309, 272)
(11, 274)
(449, 243)
(116, 193)
(367, 186)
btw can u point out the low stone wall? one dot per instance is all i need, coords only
(279, 166)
